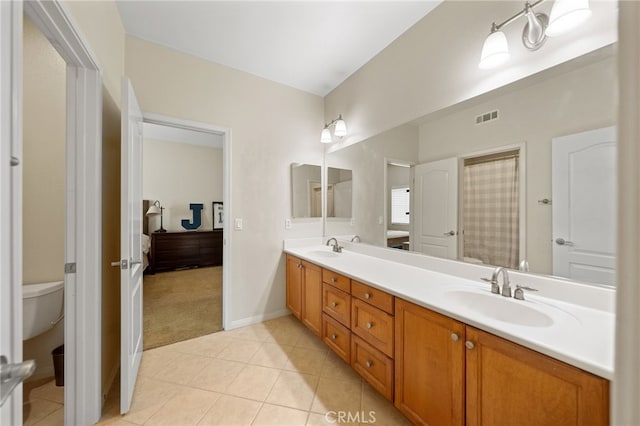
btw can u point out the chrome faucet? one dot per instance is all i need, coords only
(506, 289)
(336, 247)
(355, 237)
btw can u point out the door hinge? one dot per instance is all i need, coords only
(70, 268)
(15, 161)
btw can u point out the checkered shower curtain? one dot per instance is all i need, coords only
(491, 212)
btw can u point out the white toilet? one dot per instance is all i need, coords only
(42, 307)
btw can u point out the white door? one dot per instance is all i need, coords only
(130, 244)
(584, 206)
(435, 208)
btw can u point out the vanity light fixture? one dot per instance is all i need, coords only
(565, 15)
(339, 130)
(154, 210)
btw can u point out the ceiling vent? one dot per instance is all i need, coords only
(487, 116)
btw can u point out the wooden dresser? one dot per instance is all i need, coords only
(173, 250)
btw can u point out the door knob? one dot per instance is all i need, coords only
(11, 375)
(563, 242)
(450, 233)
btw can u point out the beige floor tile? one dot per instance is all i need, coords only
(336, 369)
(54, 419)
(330, 418)
(183, 369)
(39, 409)
(210, 345)
(285, 336)
(187, 407)
(280, 416)
(240, 350)
(50, 392)
(114, 421)
(155, 360)
(293, 390)
(309, 340)
(336, 395)
(305, 360)
(255, 332)
(253, 382)
(271, 355)
(217, 375)
(149, 396)
(381, 409)
(231, 411)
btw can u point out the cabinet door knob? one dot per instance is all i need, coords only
(369, 325)
(455, 337)
(367, 296)
(334, 337)
(333, 279)
(334, 304)
(469, 344)
(299, 265)
(368, 364)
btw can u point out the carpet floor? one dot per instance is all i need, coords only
(181, 305)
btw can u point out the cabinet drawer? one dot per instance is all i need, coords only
(337, 304)
(375, 367)
(372, 325)
(337, 337)
(372, 296)
(336, 280)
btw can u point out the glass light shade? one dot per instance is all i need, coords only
(153, 210)
(495, 51)
(341, 128)
(566, 15)
(325, 137)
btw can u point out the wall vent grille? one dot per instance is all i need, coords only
(487, 116)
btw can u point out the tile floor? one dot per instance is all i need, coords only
(273, 373)
(43, 405)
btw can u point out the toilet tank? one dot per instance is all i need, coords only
(42, 306)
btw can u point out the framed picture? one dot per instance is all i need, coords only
(218, 215)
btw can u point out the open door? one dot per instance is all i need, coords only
(435, 208)
(130, 245)
(584, 206)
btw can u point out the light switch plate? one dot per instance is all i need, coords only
(238, 224)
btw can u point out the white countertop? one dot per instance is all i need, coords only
(576, 334)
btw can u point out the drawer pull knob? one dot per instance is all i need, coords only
(334, 304)
(455, 337)
(299, 265)
(469, 344)
(333, 279)
(334, 337)
(369, 325)
(367, 296)
(368, 364)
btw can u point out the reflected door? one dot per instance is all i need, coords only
(435, 207)
(584, 206)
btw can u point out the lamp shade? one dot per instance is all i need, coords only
(566, 15)
(341, 128)
(153, 210)
(325, 137)
(495, 51)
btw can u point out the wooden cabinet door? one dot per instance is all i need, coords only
(510, 384)
(429, 366)
(312, 297)
(294, 286)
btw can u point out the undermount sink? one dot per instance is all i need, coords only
(501, 308)
(323, 253)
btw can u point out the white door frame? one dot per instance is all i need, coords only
(225, 132)
(83, 239)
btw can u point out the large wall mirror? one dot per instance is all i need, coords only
(522, 177)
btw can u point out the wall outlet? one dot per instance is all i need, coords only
(380, 220)
(238, 224)
(287, 223)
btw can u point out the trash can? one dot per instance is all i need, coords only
(58, 364)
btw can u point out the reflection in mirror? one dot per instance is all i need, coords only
(523, 175)
(306, 190)
(339, 192)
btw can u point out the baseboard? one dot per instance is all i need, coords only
(109, 383)
(42, 373)
(257, 319)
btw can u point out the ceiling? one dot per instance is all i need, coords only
(312, 46)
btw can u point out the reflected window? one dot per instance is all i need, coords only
(400, 205)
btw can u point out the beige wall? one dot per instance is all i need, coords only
(178, 174)
(44, 92)
(271, 126)
(576, 101)
(435, 63)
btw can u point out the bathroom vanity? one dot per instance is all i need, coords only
(448, 352)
